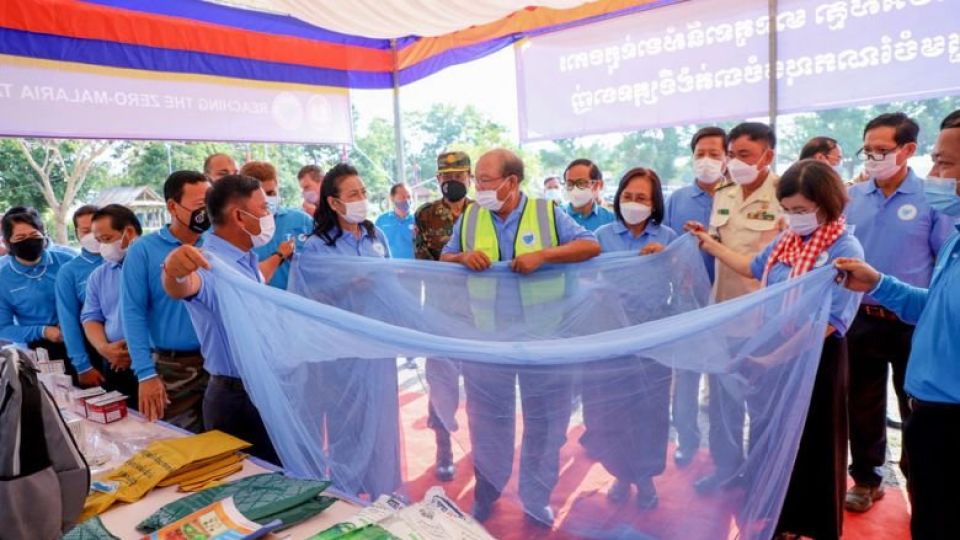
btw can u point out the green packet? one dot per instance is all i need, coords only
(343, 531)
(262, 498)
(382, 508)
(91, 529)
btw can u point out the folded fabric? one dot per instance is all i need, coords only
(261, 498)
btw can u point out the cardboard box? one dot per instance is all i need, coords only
(78, 399)
(107, 408)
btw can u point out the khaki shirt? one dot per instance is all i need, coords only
(745, 226)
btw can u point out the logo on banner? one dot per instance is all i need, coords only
(528, 238)
(907, 212)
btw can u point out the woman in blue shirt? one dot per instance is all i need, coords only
(357, 396)
(636, 388)
(813, 198)
(28, 305)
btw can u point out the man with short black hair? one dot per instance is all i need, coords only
(71, 290)
(901, 235)
(584, 182)
(241, 221)
(164, 349)
(116, 228)
(218, 165)
(310, 178)
(552, 189)
(399, 226)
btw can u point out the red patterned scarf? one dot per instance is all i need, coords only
(792, 251)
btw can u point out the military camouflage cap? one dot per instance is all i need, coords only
(453, 162)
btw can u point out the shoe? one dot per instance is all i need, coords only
(647, 494)
(683, 457)
(482, 510)
(445, 471)
(860, 498)
(619, 492)
(713, 482)
(540, 515)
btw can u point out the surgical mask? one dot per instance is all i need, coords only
(581, 197)
(453, 190)
(312, 197)
(490, 200)
(935, 184)
(28, 249)
(273, 203)
(89, 243)
(742, 173)
(942, 195)
(635, 213)
(199, 220)
(883, 169)
(356, 211)
(708, 170)
(803, 224)
(403, 206)
(268, 226)
(553, 194)
(114, 251)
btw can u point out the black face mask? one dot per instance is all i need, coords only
(199, 220)
(454, 191)
(29, 249)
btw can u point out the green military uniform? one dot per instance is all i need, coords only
(434, 223)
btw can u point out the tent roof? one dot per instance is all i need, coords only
(337, 43)
(129, 196)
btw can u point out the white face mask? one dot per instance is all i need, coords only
(273, 203)
(803, 224)
(935, 184)
(312, 197)
(114, 251)
(490, 200)
(89, 243)
(883, 169)
(267, 227)
(581, 197)
(742, 173)
(356, 211)
(635, 213)
(553, 194)
(708, 170)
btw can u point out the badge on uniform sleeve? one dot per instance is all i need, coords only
(907, 212)
(822, 259)
(379, 249)
(724, 211)
(528, 238)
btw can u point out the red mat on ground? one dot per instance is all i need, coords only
(582, 489)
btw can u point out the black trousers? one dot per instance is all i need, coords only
(227, 407)
(932, 438)
(874, 345)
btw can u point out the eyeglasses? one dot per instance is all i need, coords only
(579, 183)
(864, 155)
(800, 211)
(488, 181)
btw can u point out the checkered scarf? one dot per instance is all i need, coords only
(792, 251)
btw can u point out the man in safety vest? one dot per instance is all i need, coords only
(505, 225)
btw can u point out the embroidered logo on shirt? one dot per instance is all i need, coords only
(379, 249)
(907, 212)
(822, 259)
(528, 238)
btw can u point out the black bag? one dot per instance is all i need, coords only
(44, 479)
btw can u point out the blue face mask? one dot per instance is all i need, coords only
(942, 195)
(403, 206)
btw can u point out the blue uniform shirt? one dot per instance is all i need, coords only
(71, 291)
(205, 312)
(690, 203)
(617, 237)
(27, 294)
(292, 223)
(568, 230)
(933, 372)
(103, 300)
(598, 216)
(902, 234)
(399, 234)
(844, 305)
(366, 246)
(150, 318)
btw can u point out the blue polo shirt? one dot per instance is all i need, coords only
(291, 223)
(150, 318)
(71, 290)
(205, 311)
(617, 237)
(28, 300)
(568, 230)
(366, 245)
(399, 234)
(596, 218)
(690, 203)
(902, 234)
(933, 371)
(843, 307)
(103, 300)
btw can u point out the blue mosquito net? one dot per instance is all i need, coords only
(553, 385)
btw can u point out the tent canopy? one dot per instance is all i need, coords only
(356, 44)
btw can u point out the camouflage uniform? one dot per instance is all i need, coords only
(434, 224)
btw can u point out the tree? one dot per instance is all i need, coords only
(60, 170)
(17, 184)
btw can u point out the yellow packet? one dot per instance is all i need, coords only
(189, 475)
(212, 476)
